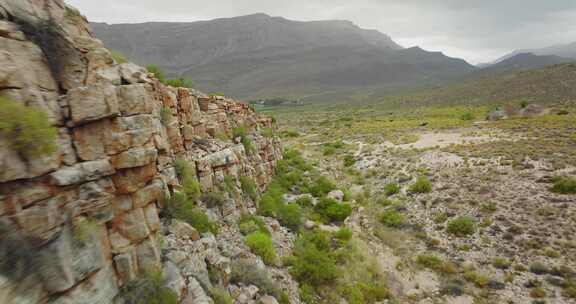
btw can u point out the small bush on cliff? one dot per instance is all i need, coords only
(221, 296)
(27, 129)
(249, 188)
(213, 199)
(321, 186)
(332, 211)
(118, 57)
(261, 245)
(165, 115)
(251, 223)
(250, 274)
(312, 265)
(158, 73)
(148, 289)
(180, 83)
(271, 201)
(187, 175)
(181, 208)
(290, 215)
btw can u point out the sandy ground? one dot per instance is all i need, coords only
(430, 140)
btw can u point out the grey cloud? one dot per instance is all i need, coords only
(477, 30)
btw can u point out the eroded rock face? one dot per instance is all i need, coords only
(90, 211)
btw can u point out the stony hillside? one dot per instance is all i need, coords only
(262, 56)
(550, 84)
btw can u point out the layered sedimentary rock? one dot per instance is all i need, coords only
(120, 132)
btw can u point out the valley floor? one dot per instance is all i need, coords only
(454, 209)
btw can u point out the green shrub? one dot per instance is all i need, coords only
(321, 186)
(570, 290)
(261, 245)
(539, 268)
(422, 185)
(312, 266)
(158, 73)
(564, 185)
(391, 189)
(83, 230)
(329, 151)
(429, 261)
(180, 83)
(462, 226)
(229, 185)
(181, 208)
(304, 201)
(148, 289)
(480, 280)
(28, 130)
(344, 234)
(501, 263)
(268, 132)
(251, 223)
(467, 116)
(290, 134)
(213, 199)
(118, 57)
(392, 218)
(538, 292)
(271, 201)
(332, 211)
(249, 188)
(349, 160)
(187, 176)
(250, 274)
(221, 296)
(165, 115)
(290, 215)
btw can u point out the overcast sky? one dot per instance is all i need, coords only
(475, 30)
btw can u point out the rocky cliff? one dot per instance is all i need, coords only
(80, 222)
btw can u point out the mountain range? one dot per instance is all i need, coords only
(259, 56)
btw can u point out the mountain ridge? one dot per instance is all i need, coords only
(258, 55)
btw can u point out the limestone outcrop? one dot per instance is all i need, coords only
(79, 223)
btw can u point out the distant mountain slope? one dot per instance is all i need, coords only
(523, 61)
(262, 56)
(551, 84)
(561, 50)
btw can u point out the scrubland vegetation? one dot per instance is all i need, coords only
(459, 209)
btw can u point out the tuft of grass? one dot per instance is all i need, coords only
(118, 57)
(158, 73)
(28, 130)
(422, 185)
(252, 223)
(221, 296)
(261, 244)
(391, 189)
(249, 188)
(148, 288)
(180, 83)
(564, 185)
(462, 226)
(392, 218)
(180, 207)
(290, 215)
(165, 115)
(187, 175)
